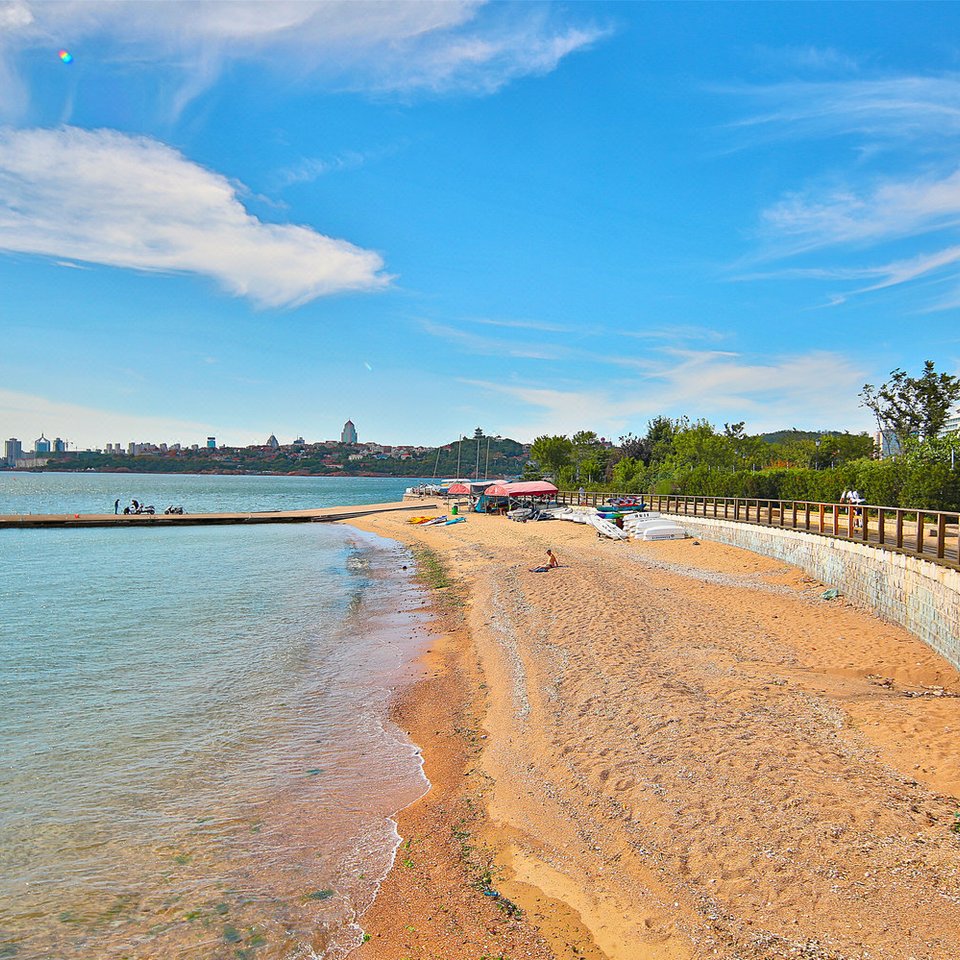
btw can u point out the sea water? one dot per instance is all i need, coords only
(195, 754)
(22, 492)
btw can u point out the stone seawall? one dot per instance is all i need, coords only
(921, 596)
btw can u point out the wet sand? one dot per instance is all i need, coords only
(670, 750)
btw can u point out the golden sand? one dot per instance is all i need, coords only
(672, 750)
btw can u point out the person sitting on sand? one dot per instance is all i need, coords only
(552, 562)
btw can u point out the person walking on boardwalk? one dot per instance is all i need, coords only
(116, 506)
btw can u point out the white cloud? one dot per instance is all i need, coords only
(371, 45)
(14, 17)
(104, 197)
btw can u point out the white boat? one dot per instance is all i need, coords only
(663, 529)
(633, 519)
(606, 529)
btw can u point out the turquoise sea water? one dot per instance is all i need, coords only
(22, 492)
(195, 759)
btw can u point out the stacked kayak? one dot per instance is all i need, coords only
(652, 526)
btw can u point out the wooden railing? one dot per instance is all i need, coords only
(931, 534)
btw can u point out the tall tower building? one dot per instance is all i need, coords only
(349, 433)
(12, 451)
(41, 445)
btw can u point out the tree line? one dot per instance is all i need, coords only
(677, 455)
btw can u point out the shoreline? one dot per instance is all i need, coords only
(595, 783)
(438, 899)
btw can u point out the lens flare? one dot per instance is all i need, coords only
(66, 56)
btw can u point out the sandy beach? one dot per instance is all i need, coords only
(667, 750)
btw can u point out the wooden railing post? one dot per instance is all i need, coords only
(808, 515)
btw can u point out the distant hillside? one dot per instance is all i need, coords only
(785, 436)
(493, 456)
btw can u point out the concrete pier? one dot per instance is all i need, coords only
(329, 515)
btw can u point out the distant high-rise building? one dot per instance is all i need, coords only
(41, 445)
(887, 444)
(12, 451)
(272, 442)
(211, 443)
(59, 446)
(349, 433)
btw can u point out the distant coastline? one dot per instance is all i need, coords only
(212, 472)
(492, 456)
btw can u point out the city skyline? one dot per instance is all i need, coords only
(546, 216)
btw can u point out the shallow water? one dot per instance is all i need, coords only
(194, 755)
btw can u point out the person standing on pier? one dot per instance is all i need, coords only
(116, 506)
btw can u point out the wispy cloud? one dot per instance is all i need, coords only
(476, 344)
(365, 45)
(890, 209)
(523, 325)
(675, 332)
(809, 59)
(858, 214)
(884, 110)
(137, 203)
(34, 414)
(309, 169)
(722, 386)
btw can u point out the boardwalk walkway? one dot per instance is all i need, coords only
(931, 534)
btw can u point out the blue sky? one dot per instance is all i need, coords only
(249, 218)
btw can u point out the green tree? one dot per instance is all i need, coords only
(552, 453)
(912, 406)
(658, 442)
(698, 445)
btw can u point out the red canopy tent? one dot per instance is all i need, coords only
(531, 488)
(458, 489)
